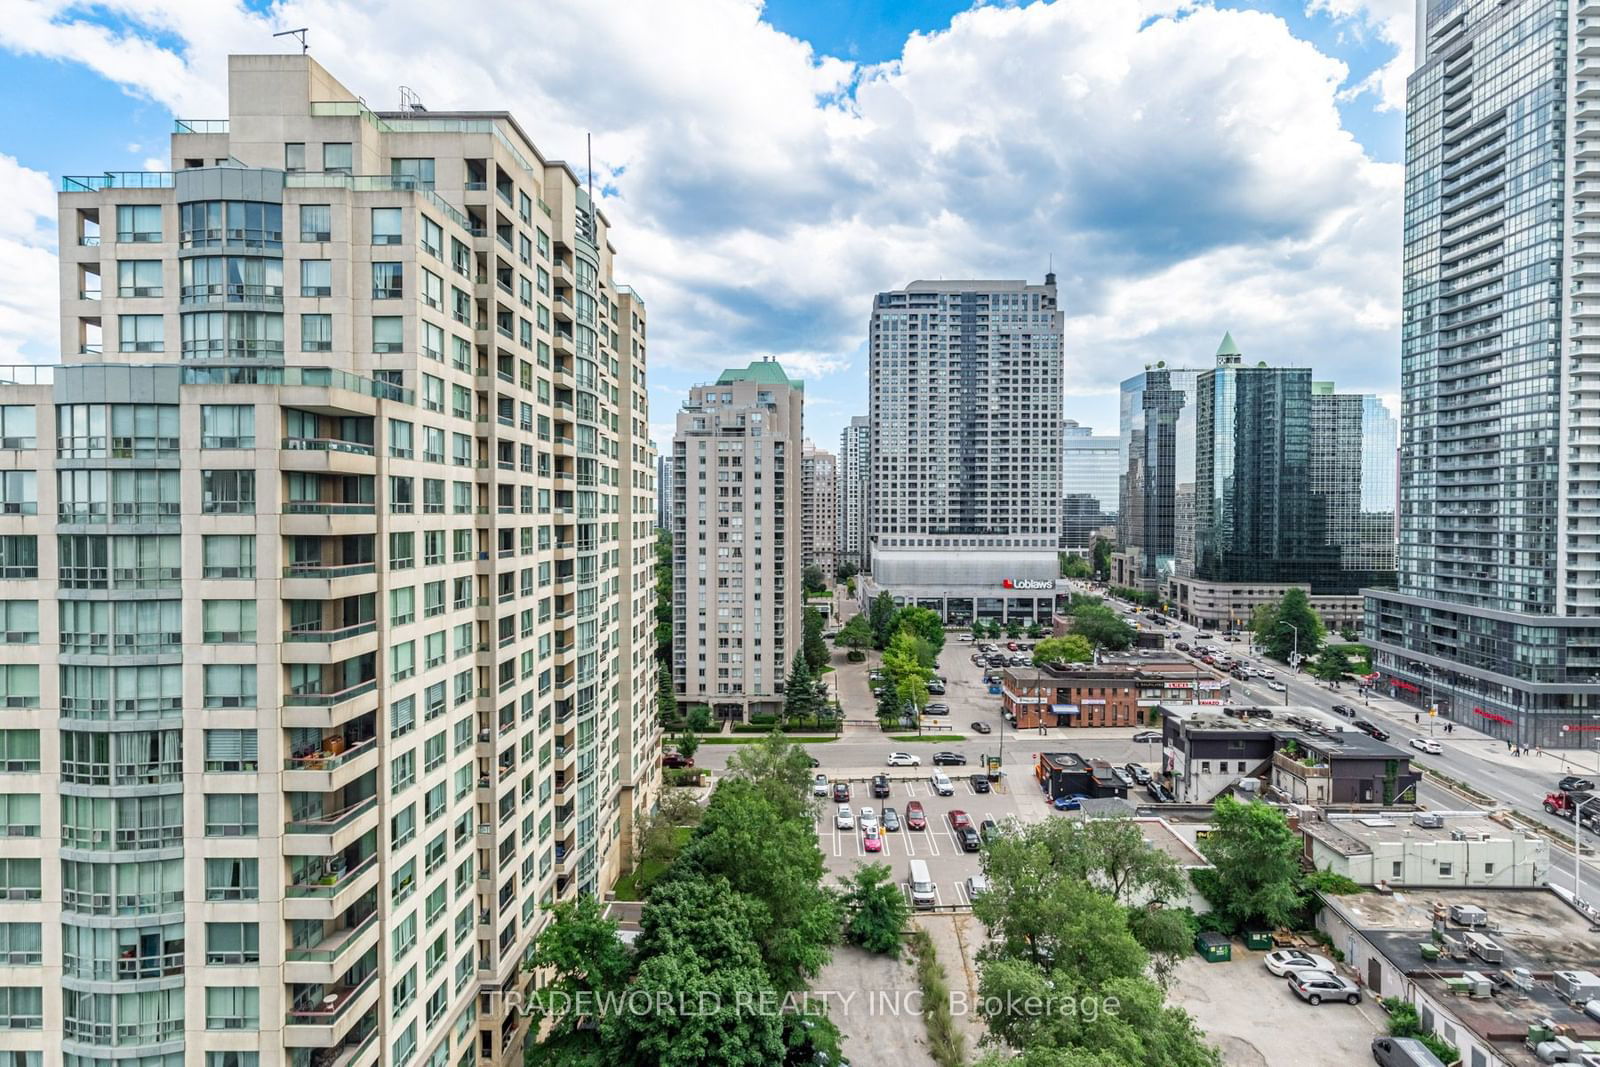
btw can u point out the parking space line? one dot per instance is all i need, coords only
(961, 894)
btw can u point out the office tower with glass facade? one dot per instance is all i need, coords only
(1496, 619)
(1156, 455)
(852, 491)
(1352, 473)
(326, 581)
(736, 534)
(966, 507)
(1090, 484)
(819, 509)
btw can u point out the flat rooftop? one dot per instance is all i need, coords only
(1535, 929)
(1353, 835)
(1160, 835)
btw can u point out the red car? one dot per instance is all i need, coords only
(915, 819)
(676, 759)
(958, 819)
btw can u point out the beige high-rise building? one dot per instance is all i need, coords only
(325, 591)
(736, 525)
(818, 508)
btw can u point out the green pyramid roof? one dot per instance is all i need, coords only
(1227, 347)
(765, 371)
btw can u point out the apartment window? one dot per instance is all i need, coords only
(403, 772)
(387, 281)
(316, 222)
(228, 556)
(233, 879)
(404, 940)
(414, 169)
(18, 426)
(19, 685)
(233, 944)
(403, 826)
(388, 333)
(403, 881)
(431, 236)
(231, 815)
(138, 223)
(19, 621)
(402, 551)
(21, 1007)
(233, 1007)
(402, 606)
(294, 156)
(461, 402)
(139, 333)
(433, 504)
(386, 225)
(337, 157)
(230, 685)
(19, 814)
(231, 751)
(215, 1059)
(405, 1046)
(19, 879)
(402, 716)
(316, 277)
(432, 393)
(1445, 870)
(139, 278)
(433, 753)
(432, 444)
(432, 342)
(19, 493)
(316, 333)
(229, 492)
(227, 426)
(402, 499)
(21, 944)
(400, 439)
(402, 661)
(19, 556)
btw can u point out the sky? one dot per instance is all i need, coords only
(1189, 168)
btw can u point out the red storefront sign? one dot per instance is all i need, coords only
(1401, 684)
(1492, 717)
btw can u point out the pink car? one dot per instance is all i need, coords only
(871, 841)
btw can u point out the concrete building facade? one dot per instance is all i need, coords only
(965, 381)
(664, 490)
(326, 576)
(736, 536)
(1091, 466)
(853, 492)
(819, 509)
(1427, 849)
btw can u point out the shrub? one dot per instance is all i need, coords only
(1328, 882)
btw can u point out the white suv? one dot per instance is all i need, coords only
(844, 820)
(904, 759)
(941, 784)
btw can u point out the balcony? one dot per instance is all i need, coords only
(323, 962)
(331, 832)
(330, 646)
(330, 709)
(325, 1020)
(329, 887)
(326, 454)
(359, 1048)
(332, 767)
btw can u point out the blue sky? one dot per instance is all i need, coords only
(1192, 168)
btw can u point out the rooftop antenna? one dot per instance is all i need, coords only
(299, 35)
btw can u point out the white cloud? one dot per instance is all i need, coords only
(28, 295)
(1394, 23)
(1185, 165)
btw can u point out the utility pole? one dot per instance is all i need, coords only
(1294, 659)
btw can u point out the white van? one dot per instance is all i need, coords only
(922, 892)
(940, 782)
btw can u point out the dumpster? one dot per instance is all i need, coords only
(1213, 947)
(1259, 940)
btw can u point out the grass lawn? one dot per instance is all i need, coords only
(627, 887)
(750, 739)
(942, 738)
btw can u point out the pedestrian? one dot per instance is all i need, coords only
(1416, 718)
(1508, 746)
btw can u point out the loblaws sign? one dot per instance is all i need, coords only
(1028, 583)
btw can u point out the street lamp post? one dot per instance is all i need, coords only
(1294, 665)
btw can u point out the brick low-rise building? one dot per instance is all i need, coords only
(1121, 693)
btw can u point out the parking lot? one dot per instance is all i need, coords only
(948, 864)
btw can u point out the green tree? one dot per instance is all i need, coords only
(780, 770)
(881, 617)
(855, 634)
(1073, 648)
(815, 648)
(813, 579)
(1264, 622)
(666, 694)
(1113, 856)
(771, 856)
(1101, 626)
(1013, 628)
(1074, 566)
(1293, 612)
(876, 909)
(664, 598)
(800, 691)
(921, 622)
(1035, 631)
(688, 742)
(584, 959)
(699, 718)
(1332, 665)
(845, 571)
(1167, 934)
(1254, 877)
(1100, 558)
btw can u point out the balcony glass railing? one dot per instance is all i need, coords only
(327, 883)
(336, 944)
(326, 761)
(317, 570)
(335, 1000)
(325, 636)
(325, 444)
(333, 821)
(324, 700)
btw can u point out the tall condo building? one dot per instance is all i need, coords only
(966, 483)
(1496, 619)
(1091, 465)
(325, 569)
(854, 475)
(818, 508)
(1155, 521)
(736, 534)
(664, 491)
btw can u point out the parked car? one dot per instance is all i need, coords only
(1344, 709)
(1146, 736)
(941, 784)
(988, 829)
(1427, 744)
(868, 818)
(915, 819)
(1403, 1052)
(880, 785)
(937, 708)
(1012, 645)
(819, 786)
(841, 792)
(1286, 961)
(977, 886)
(1181, 646)
(980, 727)
(980, 783)
(904, 759)
(1123, 777)
(964, 831)
(870, 840)
(949, 759)
(1314, 987)
(958, 818)
(936, 689)
(1070, 802)
(1574, 784)
(891, 821)
(845, 819)
(1158, 792)
(676, 759)
(1137, 773)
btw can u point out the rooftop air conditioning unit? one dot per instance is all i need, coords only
(1468, 915)
(1428, 820)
